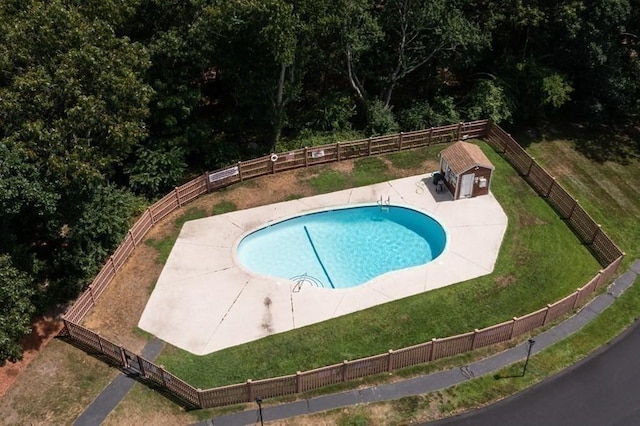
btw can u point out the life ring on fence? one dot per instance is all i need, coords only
(274, 157)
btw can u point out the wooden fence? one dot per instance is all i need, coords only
(590, 233)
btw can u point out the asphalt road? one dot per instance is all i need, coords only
(602, 390)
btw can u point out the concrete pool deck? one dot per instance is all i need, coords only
(204, 301)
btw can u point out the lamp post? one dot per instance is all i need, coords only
(259, 402)
(524, 369)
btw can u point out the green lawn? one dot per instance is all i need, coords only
(608, 190)
(541, 261)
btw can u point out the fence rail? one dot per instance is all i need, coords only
(589, 232)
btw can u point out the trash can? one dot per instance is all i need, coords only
(437, 177)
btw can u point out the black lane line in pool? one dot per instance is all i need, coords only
(318, 256)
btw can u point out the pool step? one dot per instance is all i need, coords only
(305, 278)
(384, 204)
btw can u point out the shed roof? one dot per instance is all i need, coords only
(462, 156)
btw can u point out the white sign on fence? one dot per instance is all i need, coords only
(223, 174)
(317, 154)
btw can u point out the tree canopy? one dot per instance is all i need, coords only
(105, 105)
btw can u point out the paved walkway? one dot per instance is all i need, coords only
(442, 379)
(115, 391)
(97, 412)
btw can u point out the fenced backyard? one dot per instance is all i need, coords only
(587, 230)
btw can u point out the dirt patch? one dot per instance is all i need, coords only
(55, 388)
(505, 280)
(43, 329)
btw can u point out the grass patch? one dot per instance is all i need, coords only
(224, 207)
(164, 245)
(541, 261)
(328, 181)
(370, 170)
(607, 190)
(412, 159)
(141, 333)
(290, 197)
(366, 171)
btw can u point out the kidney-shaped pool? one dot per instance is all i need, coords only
(344, 247)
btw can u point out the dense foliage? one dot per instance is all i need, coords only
(106, 102)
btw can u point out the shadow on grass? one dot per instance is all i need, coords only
(600, 144)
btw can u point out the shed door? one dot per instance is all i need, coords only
(466, 185)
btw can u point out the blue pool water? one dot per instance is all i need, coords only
(345, 247)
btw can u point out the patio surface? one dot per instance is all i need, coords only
(204, 301)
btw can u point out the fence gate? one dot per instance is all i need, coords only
(133, 364)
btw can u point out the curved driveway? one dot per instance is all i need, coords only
(603, 389)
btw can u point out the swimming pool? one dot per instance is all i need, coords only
(344, 247)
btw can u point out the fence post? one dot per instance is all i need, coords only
(345, 363)
(575, 204)
(93, 299)
(389, 363)
(369, 147)
(200, 398)
(487, 127)
(249, 391)
(473, 339)
(595, 234)
(141, 365)
(113, 265)
(601, 278)
(459, 128)
(66, 325)
(430, 135)
(123, 357)
(433, 348)
(338, 151)
(306, 157)
(164, 379)
(513, 327)
(100, 343)
(575, 301)
(239, 166)
(153, 222)
(530, 166)
(298, 382)
(553, 182)
(178, 197)
(546, 315)
(400, 141)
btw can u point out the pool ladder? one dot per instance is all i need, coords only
(305, 278)
(384, 204)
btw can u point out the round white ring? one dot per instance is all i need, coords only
(274, 157)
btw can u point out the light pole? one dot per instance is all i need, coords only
(524, 369)
(259, 402)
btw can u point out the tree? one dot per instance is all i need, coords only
(252, 50)
(71, 92)
(16, 290)
(72, 108)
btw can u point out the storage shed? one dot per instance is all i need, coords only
(465, 170)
